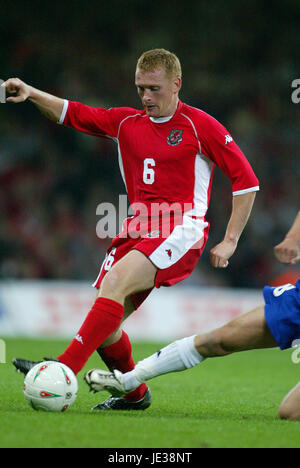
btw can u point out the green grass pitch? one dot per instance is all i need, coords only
(225, 402)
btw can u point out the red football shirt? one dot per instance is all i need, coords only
(167, 160)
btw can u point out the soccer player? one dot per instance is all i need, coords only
(275, 324)
(167, 155)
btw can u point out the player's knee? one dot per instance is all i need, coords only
(285, 413)
(288, 412)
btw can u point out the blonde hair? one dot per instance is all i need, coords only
(160, 58)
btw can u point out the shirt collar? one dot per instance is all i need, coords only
(161, 119)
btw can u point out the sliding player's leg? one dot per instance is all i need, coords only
(246, 332)
(275, 324)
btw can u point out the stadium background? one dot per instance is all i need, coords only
(239, 60)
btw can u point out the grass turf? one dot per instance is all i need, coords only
(226, 402)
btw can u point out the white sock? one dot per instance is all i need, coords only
(177, 356)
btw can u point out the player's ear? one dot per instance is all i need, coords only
(177, 84)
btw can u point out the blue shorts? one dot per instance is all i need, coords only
(282, 312)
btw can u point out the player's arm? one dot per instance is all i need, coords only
(219, 146)
(50, 106)
(95, 121)
(241, 210)
(288, 251)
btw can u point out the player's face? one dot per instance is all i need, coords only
(158, 92)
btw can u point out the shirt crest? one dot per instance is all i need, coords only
(175, 137)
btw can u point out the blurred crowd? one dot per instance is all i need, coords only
(237, 67)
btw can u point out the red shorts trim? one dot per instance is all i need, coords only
(181, 253)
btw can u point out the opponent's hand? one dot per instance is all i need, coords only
(17, 87)
(288, 251)
(220, 254)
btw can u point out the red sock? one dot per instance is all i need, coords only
(118, 356)
(104, 317)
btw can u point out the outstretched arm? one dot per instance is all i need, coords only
(241, 209)
(288, 251)
(50, 106)
(94, 121)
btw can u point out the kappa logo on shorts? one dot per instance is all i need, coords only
(175, 137)
(169, 252)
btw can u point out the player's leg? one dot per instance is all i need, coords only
(116, 350)
(116, 335)
(104, 319)
(290, 406)
(246, 332)
(132, 273)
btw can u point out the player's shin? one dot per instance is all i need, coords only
(104, 317)
(177, 356)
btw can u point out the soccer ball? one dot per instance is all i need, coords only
(50, 386)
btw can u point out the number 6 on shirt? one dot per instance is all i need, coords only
(148, 174)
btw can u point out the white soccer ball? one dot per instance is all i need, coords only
(50, 386)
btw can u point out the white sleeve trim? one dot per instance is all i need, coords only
(241, 192)
(64, 111)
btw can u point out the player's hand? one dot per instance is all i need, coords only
(288, 251)
(17, 87)
(220, 254)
